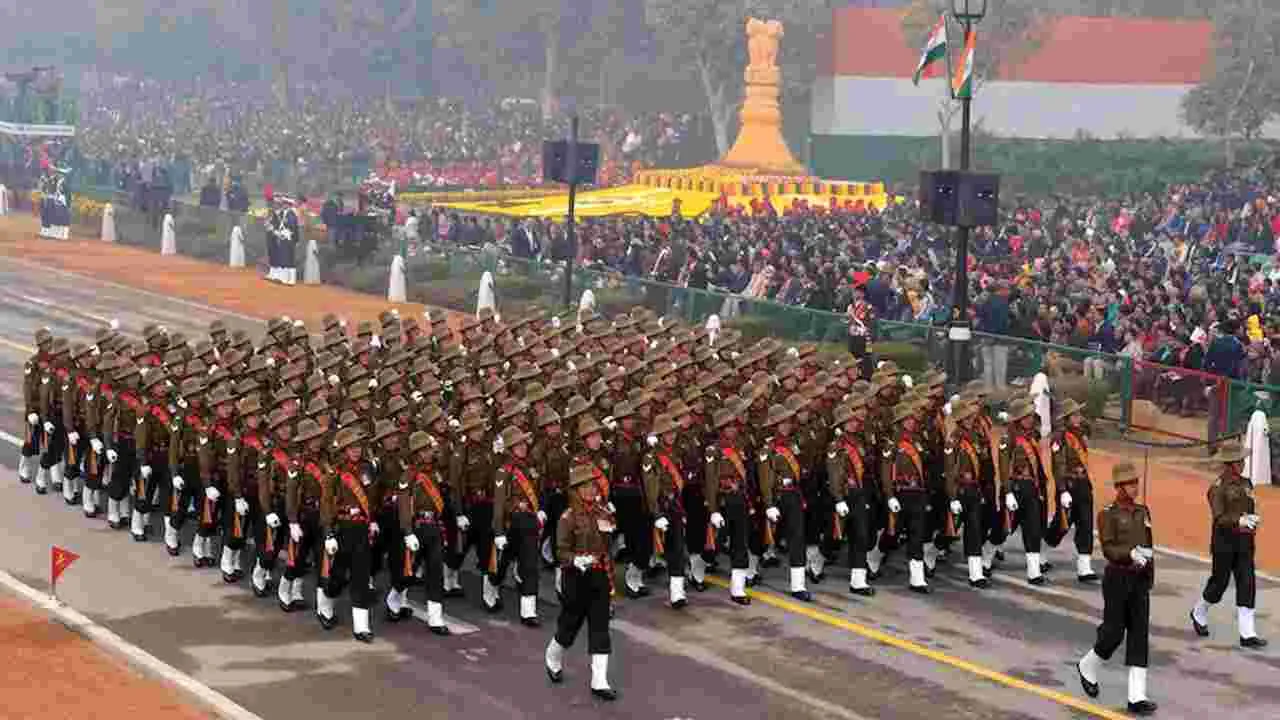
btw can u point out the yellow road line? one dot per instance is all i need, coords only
(942, 658)
(17, 346)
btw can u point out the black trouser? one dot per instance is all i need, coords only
(939, 508)
(147, 490)
(1031, 514)
(479, 535)
(1126, 614)
(31, 447)
(1232, 558)
(55, 446)
(431, 556)
(674, 550)
(236, 527)
(175, 504)
(973, 515)
(267, 540)
(818, 506)
(522, 548)
(350, 566)
(122, 469)
(858, 348)
(697, 518)
(634, 523)
(737, 526)
(790, 504)
(554, 504)
(994, 516)
(300, 552)
(1080, 514)
(857, 527)
(586, 599)
(387, 547)
(913, 520)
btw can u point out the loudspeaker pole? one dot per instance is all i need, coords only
(960, 334)
(570, 238)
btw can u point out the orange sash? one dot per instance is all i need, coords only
(526, 485)
(790, 457)
(855, 462)
(160, 414)
(905, 446)
(429, 487)
(353, 486)
(1082, 452)
(735, 459)
(677, 480)
(1032, 454)
(972, 453)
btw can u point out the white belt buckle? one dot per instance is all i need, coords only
(787, 482)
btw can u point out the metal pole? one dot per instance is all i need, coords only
(570, 239)
(960, 334)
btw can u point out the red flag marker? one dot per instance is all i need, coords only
(61, 560)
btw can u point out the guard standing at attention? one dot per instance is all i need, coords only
(1235, 527)
(1125, 531)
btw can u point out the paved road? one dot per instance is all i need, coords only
(1005, 653)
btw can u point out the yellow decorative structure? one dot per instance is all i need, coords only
(759, 169)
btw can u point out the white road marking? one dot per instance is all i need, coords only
(144, 661)
(456, 626)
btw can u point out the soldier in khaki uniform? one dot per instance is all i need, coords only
(881, 431)
(1124, 530)
(518, 518)
(962, 457)
(303, 501)
(849, 459)
(53, 385)
(125, 412)
(780, 491)
(93, 404)
(349, 531)
(1023, 477)
(184, 461)
(582, 543)
(903, 480)
(1235, 528)
(1070, 448)
(471, 473)
(422, 521)
(664, 481)
(727, 492)
(35, 373)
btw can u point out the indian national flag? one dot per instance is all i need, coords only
(935, 49)
(962, 85)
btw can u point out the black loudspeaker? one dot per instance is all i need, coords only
(979, 199)
(555, 161)
(939, 196)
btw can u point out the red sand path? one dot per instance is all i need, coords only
(1175, 491)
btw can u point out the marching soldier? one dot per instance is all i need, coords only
(35, 374)
(217, 451)
(347, 519)
(902, 477)
(1022, 474)
(518, 519)
(582, 543)
(664, 489)
(780, 490)
(73, 422)
(880, 434)
(422, 521)
(53, 385)
(305, 495)
(1235, 527)
(387, 548)
(964, 487)
(94, 404)
(1124, 530)
(471, 475)
(627, 494)
(1070, 449)
(847, 464)
(551, 453)
(125, 413)
(276, 461)
(727, 492)
(155, 430)
(184, 462)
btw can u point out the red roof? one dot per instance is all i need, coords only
(869, 42)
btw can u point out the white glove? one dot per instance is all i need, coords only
(212, 493)
(374, 529)
(612, 510)
(96, 444)
(1147, 552)
(242, 506)
(652, 440)
(956, 507)
(894, 505)
(842, 508)
(463, 523)
(773, 514)
(717, 520)
(542, 517)
(500, 542)
(376, 342)
(273, 520)
(1138, 557)
(33, 419)
(146, 471)
(73, 438)
(584, 562)
(1003, 416)
(1011, 502)
(1257, 520)
(411, 542)
(177, 483)
(112, 456)
(48, 427)
(334, 380)
(331, 546)
(295, 532)
(1065, 498)
(662, 524)
(1247, 522)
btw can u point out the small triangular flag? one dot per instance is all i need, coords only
(62, 560)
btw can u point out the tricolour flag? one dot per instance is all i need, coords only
(935, 49)
(962, 84)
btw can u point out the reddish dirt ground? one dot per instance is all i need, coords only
(52, 672)
(1175, 491)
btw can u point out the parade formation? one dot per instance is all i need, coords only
(611, 450)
